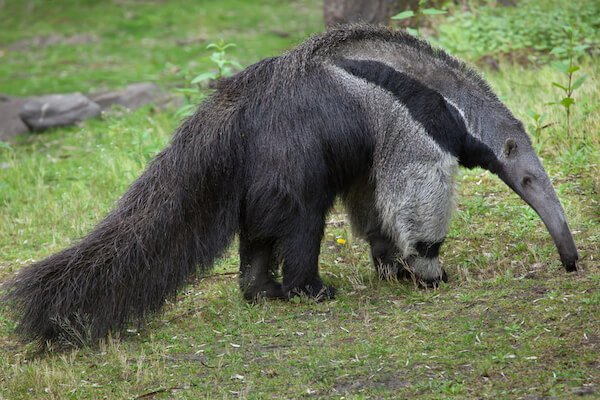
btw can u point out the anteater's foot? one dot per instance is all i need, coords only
(391, 272)
(316, 290)
(435, 282)
(398, 270)
(268, 289)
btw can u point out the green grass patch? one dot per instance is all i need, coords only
(132, 41)
(509, 324)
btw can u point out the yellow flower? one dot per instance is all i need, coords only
(341, 241)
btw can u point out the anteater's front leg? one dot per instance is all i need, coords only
(415, 205)
(386, 257)
(426, 264)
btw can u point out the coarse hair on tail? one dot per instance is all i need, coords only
(174, 219)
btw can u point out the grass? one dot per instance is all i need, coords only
(510, 323)
(139, 40)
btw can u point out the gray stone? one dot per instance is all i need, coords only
(11, 124)
(132, 97)
(54, 110)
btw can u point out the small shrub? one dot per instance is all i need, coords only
(421, 11)
(225, 67)
(532, 26)
(569, 55)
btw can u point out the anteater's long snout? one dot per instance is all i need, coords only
(529, 180)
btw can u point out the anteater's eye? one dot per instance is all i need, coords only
(526, 181)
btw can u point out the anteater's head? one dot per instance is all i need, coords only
(499, 143)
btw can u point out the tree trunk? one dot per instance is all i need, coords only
(508, 3)
(368, 11)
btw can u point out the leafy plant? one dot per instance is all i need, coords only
(568, 67)
(538, 122)
(533, 28)
(225, 67)
(417, 15)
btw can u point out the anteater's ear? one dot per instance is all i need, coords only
(510, 148)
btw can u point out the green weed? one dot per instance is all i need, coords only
(417, 15)
(225, 68)
(570, 54)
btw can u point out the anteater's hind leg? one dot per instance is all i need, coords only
(257, 269)
(279, 229)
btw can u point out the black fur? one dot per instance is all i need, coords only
(260, 158)
(312, 142)
(428, 250)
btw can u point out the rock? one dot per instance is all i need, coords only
(54, 110)
(11, 124)
(132, 97)
(18, 115)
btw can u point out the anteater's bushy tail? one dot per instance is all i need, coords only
(178, 216)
